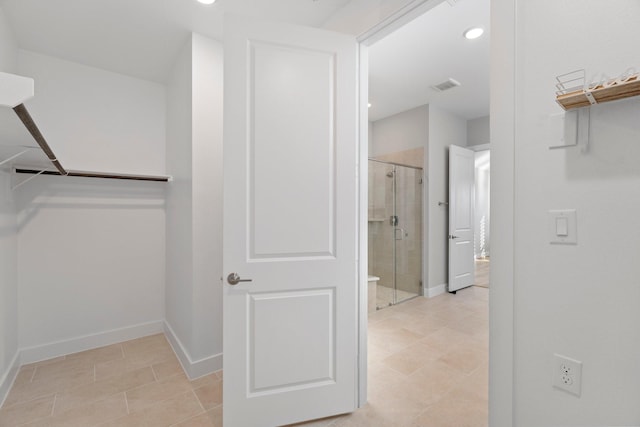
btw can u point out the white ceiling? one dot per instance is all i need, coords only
(404, 65)
(140, 38)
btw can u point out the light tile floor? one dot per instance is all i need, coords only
(428, 364)
(427, 368)
(482, 272)
(136, 383)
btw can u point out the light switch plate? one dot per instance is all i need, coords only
(563, 227)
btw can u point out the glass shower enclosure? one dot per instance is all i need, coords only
(395, 231)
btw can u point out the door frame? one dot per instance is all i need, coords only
(503, 136)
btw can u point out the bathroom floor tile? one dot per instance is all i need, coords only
(428, 367)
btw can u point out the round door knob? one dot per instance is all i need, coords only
(234, 279)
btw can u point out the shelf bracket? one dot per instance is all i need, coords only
(21, 183)
(583, 136)
(576, 128)
(15, 156)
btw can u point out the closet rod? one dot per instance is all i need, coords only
(85, 174)
(31, 126)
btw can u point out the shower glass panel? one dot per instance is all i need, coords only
(395, 231)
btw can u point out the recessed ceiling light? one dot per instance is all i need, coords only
(369, 105)
(473, 33)
(207, 1)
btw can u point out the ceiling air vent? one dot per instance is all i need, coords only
(446, 85)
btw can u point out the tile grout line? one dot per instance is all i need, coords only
(53, 407)
(204, 411)
(126, 402)
(198, 399)
(192, 416)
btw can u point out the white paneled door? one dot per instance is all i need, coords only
(461, 204)
(290, 211)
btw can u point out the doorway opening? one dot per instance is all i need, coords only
(432, 350)
(482, 238)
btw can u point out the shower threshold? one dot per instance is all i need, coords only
(385, 297)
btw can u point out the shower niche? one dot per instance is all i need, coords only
(395, 232)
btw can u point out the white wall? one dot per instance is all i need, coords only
(179, 225)
(194, 214)
(445, 129)
(8, 283)
(581, 301)
(402, 131)
(90, 261)
(8, 46)
(8, 241)
(91, 252)
(478, 132)
(95, 119)
(207, 196)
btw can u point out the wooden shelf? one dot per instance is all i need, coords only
(377, 219)
(600, 94)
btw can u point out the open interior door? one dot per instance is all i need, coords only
(290, 224)
(461, 204)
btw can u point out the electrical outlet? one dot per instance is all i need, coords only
(567, 374)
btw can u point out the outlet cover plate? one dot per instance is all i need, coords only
(567, 374)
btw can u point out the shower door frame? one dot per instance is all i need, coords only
(420, 238)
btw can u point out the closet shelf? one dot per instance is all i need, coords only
(584, 96)
(15, 90)
(31, 126)
(377, 219)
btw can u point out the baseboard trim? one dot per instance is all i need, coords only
(193, 369)
(88, 342)
(436, 290)
(9, 377)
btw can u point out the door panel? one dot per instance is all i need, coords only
(307, 319)
(461, 226)
(290, 215)
(292, 119)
